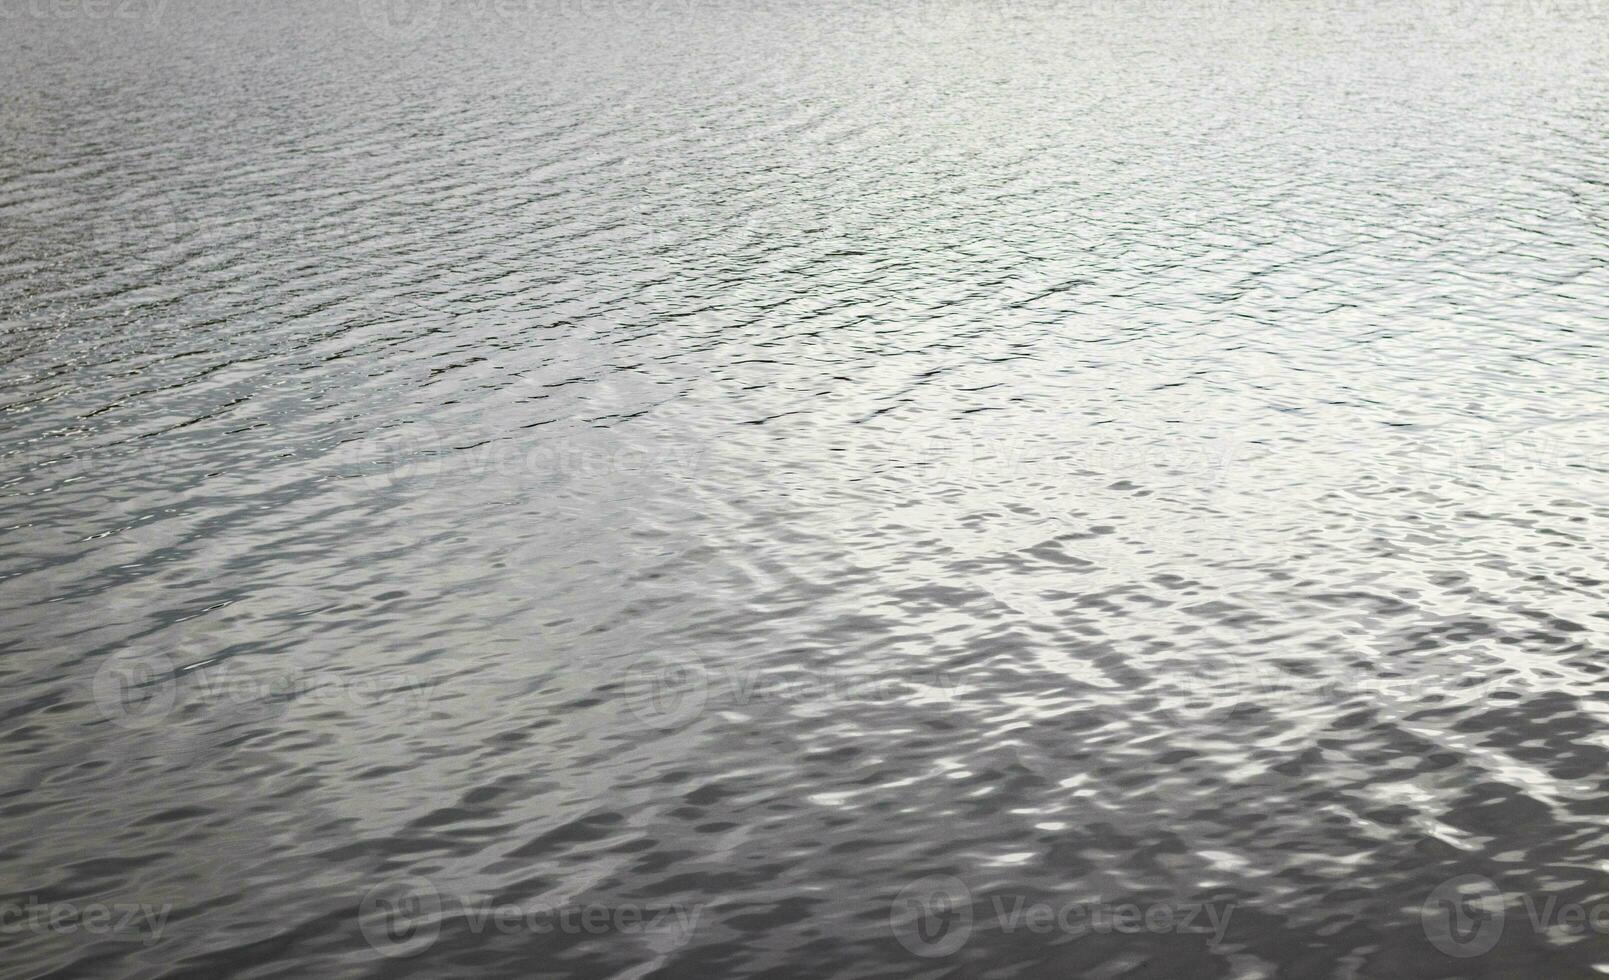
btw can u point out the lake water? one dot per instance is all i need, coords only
(701, 489)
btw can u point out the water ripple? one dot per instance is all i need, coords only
(694, 489)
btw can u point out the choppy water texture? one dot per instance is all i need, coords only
(747, 458)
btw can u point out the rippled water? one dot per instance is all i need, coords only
(738, 461)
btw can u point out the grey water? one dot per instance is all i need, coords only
(794, 489)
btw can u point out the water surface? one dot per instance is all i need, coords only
(752, 457)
